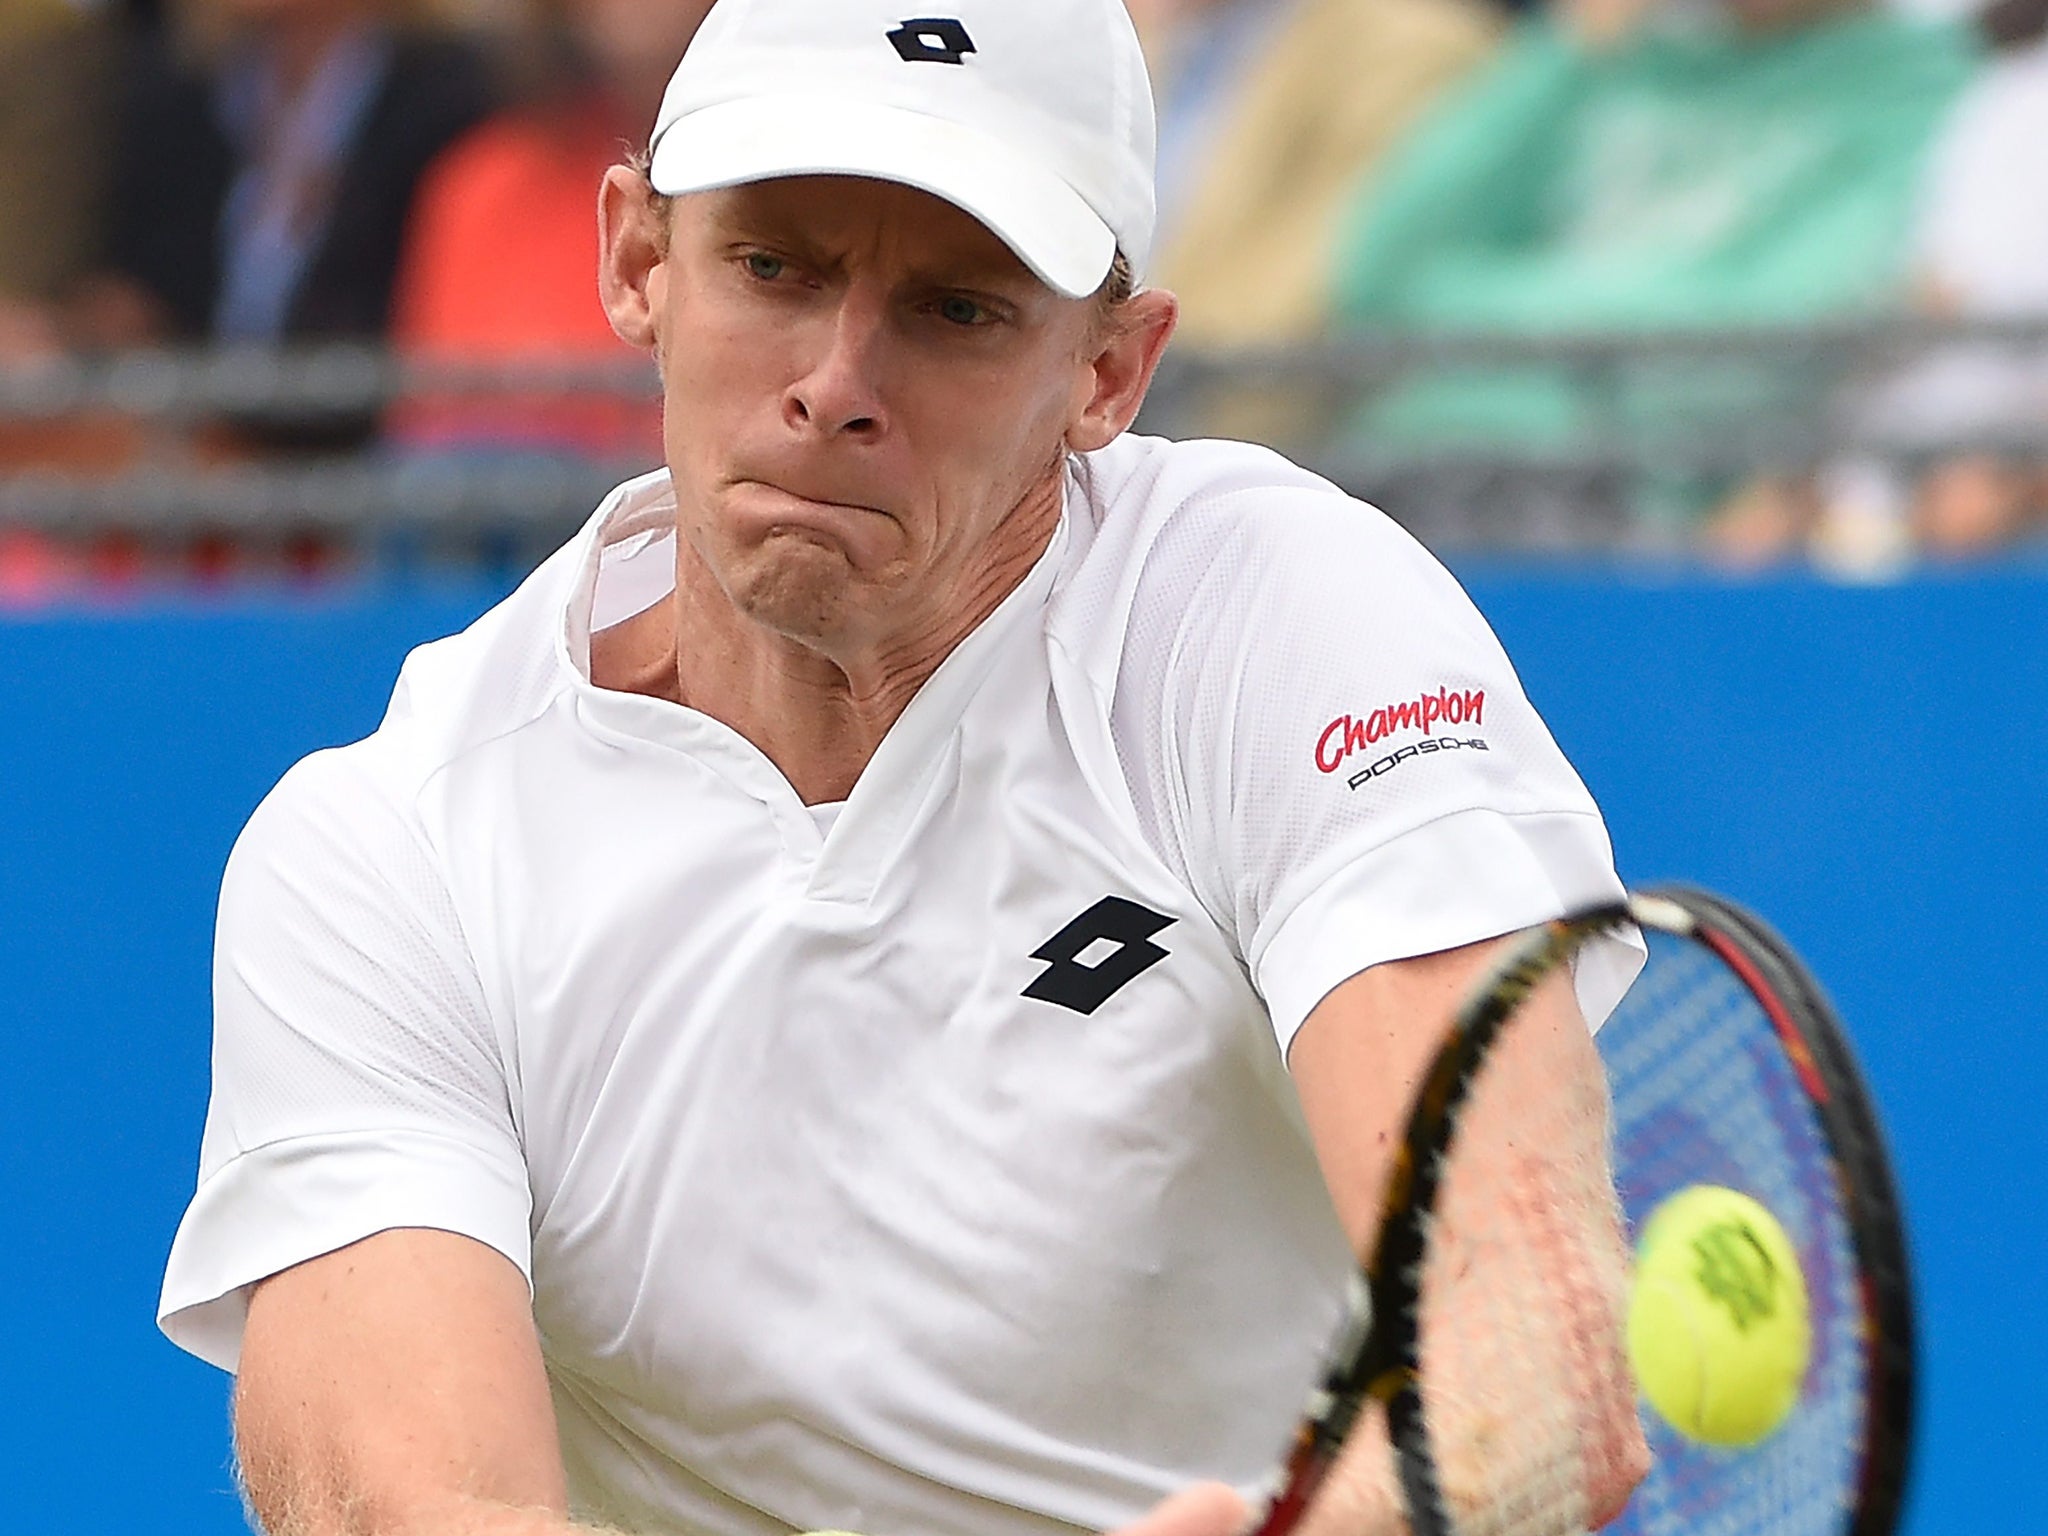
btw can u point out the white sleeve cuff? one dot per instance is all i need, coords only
(296, 1199)
(1461, 879)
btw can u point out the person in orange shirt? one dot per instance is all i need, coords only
(499, 256)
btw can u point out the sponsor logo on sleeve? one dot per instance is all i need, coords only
(1351, 738)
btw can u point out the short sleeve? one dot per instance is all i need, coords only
(1325, 738)
(358, 1083)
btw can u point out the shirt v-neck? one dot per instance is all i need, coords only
(848, 844)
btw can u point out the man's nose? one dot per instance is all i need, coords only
(840, 392)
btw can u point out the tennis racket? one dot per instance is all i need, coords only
(1725, 1067)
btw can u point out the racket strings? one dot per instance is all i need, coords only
(1704, 1094)
(1521, 1417)
(1521, 1375)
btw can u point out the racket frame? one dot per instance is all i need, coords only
(1376, 1355)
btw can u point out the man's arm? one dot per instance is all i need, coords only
(395, 1388)
(1531, 1178)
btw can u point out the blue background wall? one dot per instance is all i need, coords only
(1863, 765)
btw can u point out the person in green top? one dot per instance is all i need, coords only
(1642, 164)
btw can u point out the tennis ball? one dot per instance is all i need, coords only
(1718, 1331)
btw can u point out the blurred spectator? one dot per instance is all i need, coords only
(53, 57)
(266, 168)
(504, 241)
(1270, 114)
(1984, 256)
(1640, 164)
(1974, 415)
(257, 182)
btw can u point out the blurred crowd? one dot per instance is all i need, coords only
(421, 174)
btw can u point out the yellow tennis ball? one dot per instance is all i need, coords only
(1718, 1330)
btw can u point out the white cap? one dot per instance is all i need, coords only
(1035, 116)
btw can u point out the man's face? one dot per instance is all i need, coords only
(861, 384)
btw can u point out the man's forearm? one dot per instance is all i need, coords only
(299, 1515)
(1527, 1381)
(1360, 1497)
(1525, 1376)
(1525, 1298)
(1206, 1509)
(480, 1517)
(1529, 1402)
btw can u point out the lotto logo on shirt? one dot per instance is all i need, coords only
(1350, 734)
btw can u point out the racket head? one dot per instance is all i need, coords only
(1752, 1083)
(1727, 1066)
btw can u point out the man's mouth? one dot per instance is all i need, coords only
(865, 532)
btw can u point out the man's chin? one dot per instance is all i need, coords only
(800, 586)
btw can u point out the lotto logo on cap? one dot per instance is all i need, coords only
(932, 40)
(1034, 117)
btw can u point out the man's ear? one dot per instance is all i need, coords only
(632, 242)
(1126, 355)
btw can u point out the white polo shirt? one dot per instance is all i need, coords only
(928, 1166)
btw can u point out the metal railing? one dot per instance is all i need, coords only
(1803, 396)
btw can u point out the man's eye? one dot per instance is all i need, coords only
(958, 311)
(765, 267)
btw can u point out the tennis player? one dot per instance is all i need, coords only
(871, 993)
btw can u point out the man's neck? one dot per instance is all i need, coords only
(818, 715)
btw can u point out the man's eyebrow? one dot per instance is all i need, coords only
(987, 274)
(995, 273)
(736, 227)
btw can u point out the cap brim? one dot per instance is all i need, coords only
(1046, 222)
